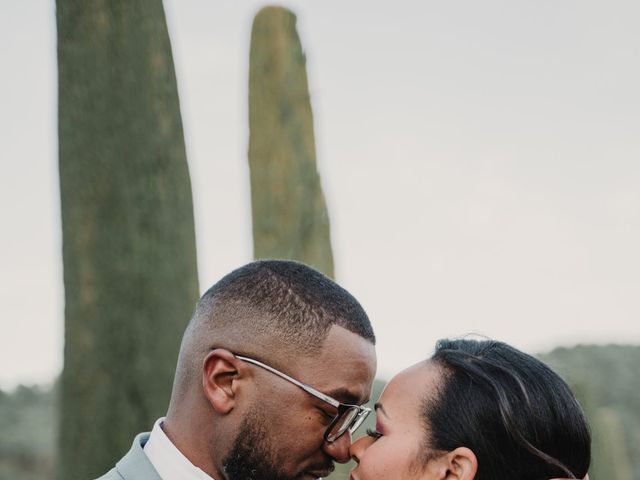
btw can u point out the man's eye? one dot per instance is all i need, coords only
(327, 416)
(373, 434)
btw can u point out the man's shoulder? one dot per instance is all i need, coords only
(134, 465)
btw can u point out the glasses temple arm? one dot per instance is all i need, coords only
(306, 388)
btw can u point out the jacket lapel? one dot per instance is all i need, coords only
(135, 465)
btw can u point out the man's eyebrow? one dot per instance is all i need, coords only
(378, 406)
(343, 395)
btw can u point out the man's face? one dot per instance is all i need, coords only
(282, 436)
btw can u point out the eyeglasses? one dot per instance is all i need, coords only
(349, 417)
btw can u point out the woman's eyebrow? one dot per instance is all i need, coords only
(378, 406)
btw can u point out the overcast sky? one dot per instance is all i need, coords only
(479, 159)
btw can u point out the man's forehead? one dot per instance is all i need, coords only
(354, 389)
(344, 368)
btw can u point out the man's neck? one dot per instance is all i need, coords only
(169, 461)
(192, 441)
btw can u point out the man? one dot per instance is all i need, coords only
(272, 372)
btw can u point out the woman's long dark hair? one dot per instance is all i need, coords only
(518, 417)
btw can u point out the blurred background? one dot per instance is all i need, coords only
(460, 167)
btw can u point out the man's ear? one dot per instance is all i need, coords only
(460, 464)
(219, 372)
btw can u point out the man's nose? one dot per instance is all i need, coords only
(339, 448)
(358, 448)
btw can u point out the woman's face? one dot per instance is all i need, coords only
(396, 448)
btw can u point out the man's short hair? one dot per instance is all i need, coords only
(268, 307)
(299, 303)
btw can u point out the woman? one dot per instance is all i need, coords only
(475, 410)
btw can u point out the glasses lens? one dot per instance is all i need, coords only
(359, 419)
(350, 420)
(342, 424)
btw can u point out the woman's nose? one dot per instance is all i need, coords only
(358, 448)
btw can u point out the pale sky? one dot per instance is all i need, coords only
(479, 159)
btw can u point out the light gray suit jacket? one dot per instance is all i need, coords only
(134, 465)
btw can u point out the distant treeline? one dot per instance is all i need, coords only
(607, 383)
(28, 420)
(605, 378)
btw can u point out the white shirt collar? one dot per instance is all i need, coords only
(168, 461)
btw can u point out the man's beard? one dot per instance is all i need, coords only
(253, 458)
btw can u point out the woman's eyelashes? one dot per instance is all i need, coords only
(375, 434)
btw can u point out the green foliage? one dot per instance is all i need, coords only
(606, 382)
(289, 213)
(611, 454)
(128, 235)
(28, 424)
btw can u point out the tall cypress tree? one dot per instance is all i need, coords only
(128, 233)
(289, 213)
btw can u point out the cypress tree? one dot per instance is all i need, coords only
(289, 213)
(128, 233)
